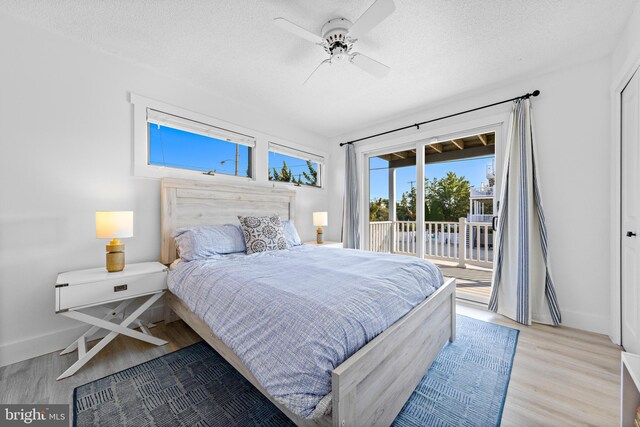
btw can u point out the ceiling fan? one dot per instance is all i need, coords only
(339, 35)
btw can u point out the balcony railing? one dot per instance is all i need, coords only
(462, 241)
(481, 193)
(479, 218)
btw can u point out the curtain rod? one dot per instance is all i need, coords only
(417, 125)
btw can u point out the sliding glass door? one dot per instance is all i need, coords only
(435, 199)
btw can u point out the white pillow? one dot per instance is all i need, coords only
(291, 234)
(205, 241)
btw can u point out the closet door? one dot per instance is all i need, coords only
(630, 211)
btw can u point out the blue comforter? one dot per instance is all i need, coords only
(293, 316)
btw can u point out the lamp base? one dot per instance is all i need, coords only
(319, 236)
(115, 258)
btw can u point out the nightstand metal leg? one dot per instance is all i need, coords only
(88, 356)
(143, 327)
(82, 347)
(116, 329)
(111, 313)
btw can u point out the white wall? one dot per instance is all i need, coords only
(572, 125)
(66, 138)
(628, 47)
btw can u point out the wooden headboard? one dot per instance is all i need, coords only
(186, 203)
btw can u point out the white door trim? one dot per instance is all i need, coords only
(618, 85)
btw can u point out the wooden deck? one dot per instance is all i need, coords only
(474, 283)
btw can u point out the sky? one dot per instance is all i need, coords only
(185, 150)
(473, 169)
(177, 148)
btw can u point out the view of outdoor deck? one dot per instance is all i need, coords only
(458, 228)
(473, 283)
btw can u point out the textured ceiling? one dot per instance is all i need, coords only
(437, 48)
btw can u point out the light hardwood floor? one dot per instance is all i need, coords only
(561, 376)
(34, 380)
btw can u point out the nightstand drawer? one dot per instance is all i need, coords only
(94, 293)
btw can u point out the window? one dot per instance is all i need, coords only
(180, 143)
(294, 166)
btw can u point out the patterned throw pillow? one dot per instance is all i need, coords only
(263, 233)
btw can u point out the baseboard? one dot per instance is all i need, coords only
(572, 319)
(38, 345)
(585, 321)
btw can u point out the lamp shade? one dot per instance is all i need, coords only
(320, 219)
(114, 224)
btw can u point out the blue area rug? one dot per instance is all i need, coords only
(467, 383)
(466, 386)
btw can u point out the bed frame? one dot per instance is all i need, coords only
(371, 386)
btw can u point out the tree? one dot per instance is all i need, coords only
(447, 197)
(312, 176)
(406, 208)
(286, 175)
(379, 210)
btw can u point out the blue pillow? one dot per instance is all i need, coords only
(209, 240)
(291, 234)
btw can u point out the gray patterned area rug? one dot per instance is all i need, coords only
(466, 386)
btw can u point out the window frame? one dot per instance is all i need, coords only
(290, 150)
(141, 165)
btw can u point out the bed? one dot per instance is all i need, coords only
(372, 384)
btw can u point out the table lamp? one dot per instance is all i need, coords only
(320, 219)
(114, 225)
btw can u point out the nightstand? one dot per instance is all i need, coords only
(327, 244)
(91, 289)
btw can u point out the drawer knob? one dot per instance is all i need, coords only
(120, 288)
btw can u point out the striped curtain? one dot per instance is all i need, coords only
(351, 214)
(522, 287)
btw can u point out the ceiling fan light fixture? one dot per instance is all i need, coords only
(340, 34)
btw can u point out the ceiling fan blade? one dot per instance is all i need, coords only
(369, 65)
(314, 71)
(297, 30)
(376, 13)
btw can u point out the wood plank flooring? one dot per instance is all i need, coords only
(34, 380)
(561, 376)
